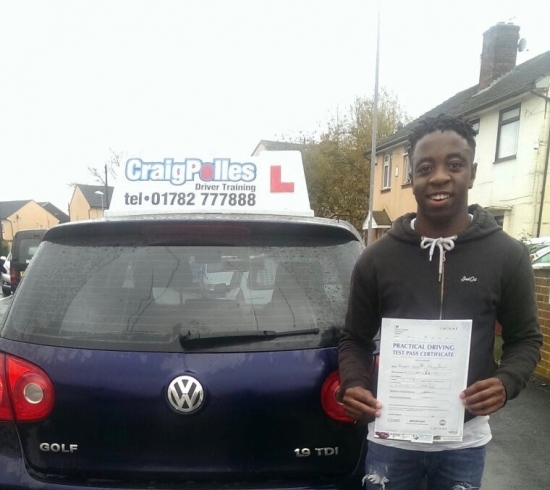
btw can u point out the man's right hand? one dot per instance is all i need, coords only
(359, 403)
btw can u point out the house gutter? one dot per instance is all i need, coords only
(546, 163)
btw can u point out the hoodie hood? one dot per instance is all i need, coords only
(483, 224)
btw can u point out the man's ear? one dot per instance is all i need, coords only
(473, 175)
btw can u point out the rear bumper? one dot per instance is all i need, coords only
(15, 476)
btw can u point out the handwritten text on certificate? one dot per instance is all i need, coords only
(423, 369)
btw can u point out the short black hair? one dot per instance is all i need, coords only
(442, 122)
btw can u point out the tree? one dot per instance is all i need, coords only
(335, 159)
(101, 175)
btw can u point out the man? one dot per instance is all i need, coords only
(448, 261)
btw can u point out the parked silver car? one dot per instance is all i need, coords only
(541, 258)
(5, 272)
(535, 245)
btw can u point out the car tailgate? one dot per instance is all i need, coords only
(261, 418)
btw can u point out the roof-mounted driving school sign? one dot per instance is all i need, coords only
(271, 183)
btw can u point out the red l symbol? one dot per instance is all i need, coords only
(276, 184)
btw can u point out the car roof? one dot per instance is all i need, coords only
(542, 251)
(537, 240)
(32, 233)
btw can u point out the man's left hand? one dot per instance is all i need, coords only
(484, 397)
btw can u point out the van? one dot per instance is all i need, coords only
(24, 246)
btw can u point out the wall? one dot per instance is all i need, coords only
(514, 184)
(542, 290)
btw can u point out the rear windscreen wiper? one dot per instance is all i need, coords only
(240, 335)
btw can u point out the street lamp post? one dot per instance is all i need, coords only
(374, 131)
(102, 207)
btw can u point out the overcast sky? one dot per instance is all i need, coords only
(192, 78)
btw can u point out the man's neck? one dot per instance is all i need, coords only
(431, 229)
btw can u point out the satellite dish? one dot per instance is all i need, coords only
(522, 44)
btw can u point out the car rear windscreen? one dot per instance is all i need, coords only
(27, 249)
(128, 297)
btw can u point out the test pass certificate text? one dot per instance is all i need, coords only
(423, 369)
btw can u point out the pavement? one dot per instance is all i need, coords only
(518, 457)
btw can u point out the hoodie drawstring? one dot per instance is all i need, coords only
(444, 244)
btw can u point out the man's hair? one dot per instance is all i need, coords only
(442, 123)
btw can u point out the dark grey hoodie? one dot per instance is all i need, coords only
(487, 276)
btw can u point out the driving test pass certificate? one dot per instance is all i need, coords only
(423, 369)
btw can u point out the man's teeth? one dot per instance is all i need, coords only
(440, 197)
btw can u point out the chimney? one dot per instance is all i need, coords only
(500, 47)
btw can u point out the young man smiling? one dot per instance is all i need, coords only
(417, 272)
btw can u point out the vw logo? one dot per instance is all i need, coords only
(185, 394)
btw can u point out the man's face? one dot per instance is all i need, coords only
(442, 173)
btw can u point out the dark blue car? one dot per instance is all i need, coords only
(185, 352)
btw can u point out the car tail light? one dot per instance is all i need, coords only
(29, 389)
(5, 407)
(332, 407)
(13, 277)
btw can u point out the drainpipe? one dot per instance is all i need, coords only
(11, 226)
(546, 163)
(544, 181)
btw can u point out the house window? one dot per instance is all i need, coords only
(386, 172)
(475, 125)
(406, 169)
(498, 214)
(508, 132)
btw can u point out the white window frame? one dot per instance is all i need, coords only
(407, 170)
(386, 172)
(510, 124)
